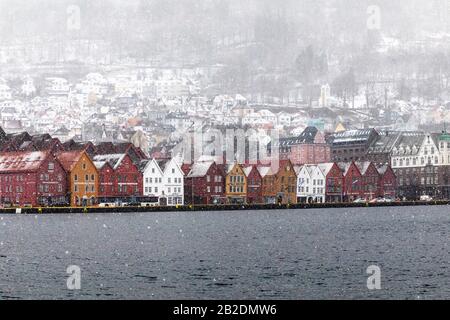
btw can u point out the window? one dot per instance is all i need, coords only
(51, 166)
(92, 177)
(84, 166)
(75, 177)
(75, 188)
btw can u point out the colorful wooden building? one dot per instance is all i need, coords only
(31, 179)
(119, 177)
(236, 184)
(286, 183)
(254, 185)
(82, 177)
(334, 182)
(205, 184)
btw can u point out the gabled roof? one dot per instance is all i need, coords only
(143, 164)
(200, 169)
(325, 167)
(382, 169)
(21, 161)
(162, 163)
(409, 143)
(155, 163)
(265, 171)
(101, 164)
(113, 159)
(69, 159)
(345, 166)
(363, 166)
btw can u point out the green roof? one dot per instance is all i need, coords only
(445, 137)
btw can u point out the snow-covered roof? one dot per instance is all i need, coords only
(325, 167)
(21, 161)
(113, 159)
(265, 170)
(200, 169)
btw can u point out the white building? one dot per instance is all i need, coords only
(416, 150)
(57, 86)
(173, 180)
(153, 180)
(171, 88)
(284, 119)
(310, 184)
(28, 88)
(5, 92)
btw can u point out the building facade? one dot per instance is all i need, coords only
(31, 179)
(82, 177)
(205, 184)
(236, 184)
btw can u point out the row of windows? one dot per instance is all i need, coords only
(423, 181)
(87, 188)
(86, 177)
(314, 190)
(417, 170)
(236, 189)
(159, 180)
(154, 171)
(217, 189)
(10, 178)
(174, 200)
(408, 162)
(150, 180)
(41, 188)
(318, 182)
(216, 178)
(237, 179)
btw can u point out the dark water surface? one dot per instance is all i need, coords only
(310, 254)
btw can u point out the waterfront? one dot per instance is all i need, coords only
(277, 254)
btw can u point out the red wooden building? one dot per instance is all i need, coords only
(119, 176)
(31, 179)
(370, 180)
(205, 183)
(353, 181)
(334, 185)
(387, 186)
(254, 184)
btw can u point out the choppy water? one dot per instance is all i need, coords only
(310, 254)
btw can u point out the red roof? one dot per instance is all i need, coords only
(13, 162)
(69, 159)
